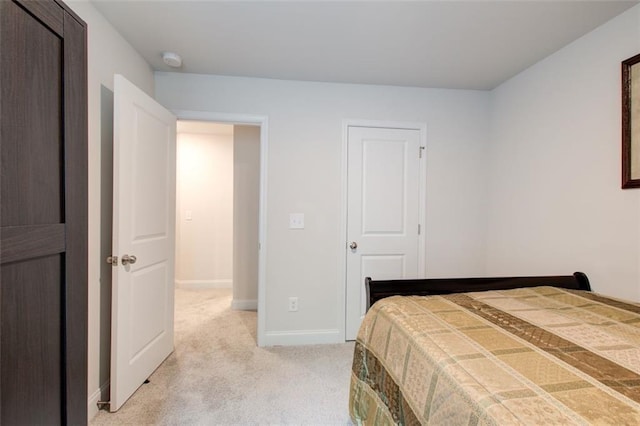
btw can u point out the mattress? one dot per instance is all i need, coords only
(540, 355)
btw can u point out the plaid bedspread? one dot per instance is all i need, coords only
(533, 356)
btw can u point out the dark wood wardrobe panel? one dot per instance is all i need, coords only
(49, 12)
(43, 214)
(32, 368)
(76, 218)
(32, 125)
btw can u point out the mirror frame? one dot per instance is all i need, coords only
(628, 150)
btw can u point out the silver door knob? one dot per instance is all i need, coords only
(353, 245)
(126, 259)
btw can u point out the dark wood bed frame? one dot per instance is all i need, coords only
(379, 289)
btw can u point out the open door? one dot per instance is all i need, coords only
(143, 252)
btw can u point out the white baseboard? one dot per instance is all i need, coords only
(303, 337)
(101, 394)
(244, 305)
(196, 284)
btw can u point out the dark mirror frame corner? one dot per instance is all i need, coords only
(627, 118)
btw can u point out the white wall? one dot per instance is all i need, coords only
(556, 203)
(204, 255)
(108, 54)
(246, 204)
(304, 176)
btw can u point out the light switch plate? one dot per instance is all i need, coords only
(296, 220)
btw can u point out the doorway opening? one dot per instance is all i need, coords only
(218, 186)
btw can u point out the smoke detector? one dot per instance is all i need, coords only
(172, 59)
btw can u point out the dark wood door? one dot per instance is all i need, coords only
(43, 214)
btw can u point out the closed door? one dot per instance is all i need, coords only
(383, 192)
(144, 205)
(43, 202)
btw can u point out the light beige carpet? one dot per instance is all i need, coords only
(218, 375)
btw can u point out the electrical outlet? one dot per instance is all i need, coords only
(293, 304)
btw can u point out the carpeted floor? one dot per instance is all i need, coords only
(217, 374)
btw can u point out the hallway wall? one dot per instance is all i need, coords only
(204, 233)
(246, 205)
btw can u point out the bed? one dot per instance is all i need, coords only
(518, 350)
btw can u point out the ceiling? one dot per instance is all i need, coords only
(442, 44)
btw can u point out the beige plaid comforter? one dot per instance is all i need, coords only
(533, 356)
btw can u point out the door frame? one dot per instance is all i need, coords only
(422, 203)
(252, 120)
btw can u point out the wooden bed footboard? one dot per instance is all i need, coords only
(379, 289)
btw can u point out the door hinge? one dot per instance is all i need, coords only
(420, 151)
(112, 260)
(419, 229)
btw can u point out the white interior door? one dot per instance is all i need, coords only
(383, 193)
(144, 163)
